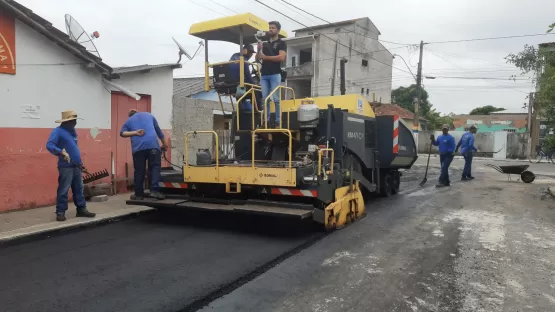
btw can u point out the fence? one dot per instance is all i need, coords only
(499, 144)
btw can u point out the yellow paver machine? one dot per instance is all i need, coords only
(318, 162)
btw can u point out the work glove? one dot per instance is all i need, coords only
(66, 155)
(432, 137)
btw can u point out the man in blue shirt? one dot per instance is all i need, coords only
(248, 51)
(63, 143)
(144, 132)
(466, 144)
(446, 144)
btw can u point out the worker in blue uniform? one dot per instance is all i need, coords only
(63, 143)
(144, 131)
(446, 144)
(466, 144)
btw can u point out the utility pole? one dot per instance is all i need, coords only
(334, 70)
(529, 125)
(416, 121)
(342, 72)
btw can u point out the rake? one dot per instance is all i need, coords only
(95, 176)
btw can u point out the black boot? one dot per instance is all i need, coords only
(84, 213)
(60, 217)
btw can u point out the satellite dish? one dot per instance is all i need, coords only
(78, 34)
(182, 50)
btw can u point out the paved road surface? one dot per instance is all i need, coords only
(149, 264)
(486, 245)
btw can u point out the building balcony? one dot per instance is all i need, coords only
(304, 70)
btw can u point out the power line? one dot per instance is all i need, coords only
(463, 69)
(336, 41)
(200, 5)
(296, 7)
(477, 78)
(490, 38)
(221, 5)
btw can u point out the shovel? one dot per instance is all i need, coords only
(427, 165)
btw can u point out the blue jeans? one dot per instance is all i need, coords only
(140, 159)
(70, 177)
(445, 160)
(268, 84)
(467, 164)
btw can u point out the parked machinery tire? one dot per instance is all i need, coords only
(386, 183)
(527, 177)
(396, 182)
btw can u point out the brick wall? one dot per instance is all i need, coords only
(188, 115)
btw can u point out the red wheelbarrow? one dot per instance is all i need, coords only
(525, 175)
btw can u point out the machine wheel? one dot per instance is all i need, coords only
(396, 182)
(387, 185)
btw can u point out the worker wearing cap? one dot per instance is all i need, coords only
(143, 129)
(466, 144)
(446, 144)
(234, 68)
(63, 143)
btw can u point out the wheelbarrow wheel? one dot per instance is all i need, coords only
(527, 177)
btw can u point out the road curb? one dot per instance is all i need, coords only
(51, 229)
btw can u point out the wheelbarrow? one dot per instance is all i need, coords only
(525, 175)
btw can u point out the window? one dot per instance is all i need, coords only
(365, 63)
(293, 61)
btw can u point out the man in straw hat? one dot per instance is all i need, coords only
(143, 129)
(446, 144)
(63, 143)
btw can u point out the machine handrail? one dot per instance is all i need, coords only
(320, 152)
(187, 145)
(270, 96)
(253, 102)
(286, 131)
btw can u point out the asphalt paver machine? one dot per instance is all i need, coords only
(319, 162)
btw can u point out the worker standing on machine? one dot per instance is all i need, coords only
(466, 144)
(63, 143)
(248, 51)
(446, 144)
(272, 53)
(143, 129)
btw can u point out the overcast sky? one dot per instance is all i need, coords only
(139, 31)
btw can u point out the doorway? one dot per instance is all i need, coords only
(123, 158)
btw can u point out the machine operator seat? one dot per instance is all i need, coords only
(224, 82)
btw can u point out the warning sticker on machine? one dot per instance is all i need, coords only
(360, 107)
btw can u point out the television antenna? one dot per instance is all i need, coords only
(78, 34)
(182, 50)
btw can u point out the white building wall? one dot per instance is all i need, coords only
(354, 39)
(55, 88)
(157, 83)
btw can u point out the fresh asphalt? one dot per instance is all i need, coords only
(159, 262)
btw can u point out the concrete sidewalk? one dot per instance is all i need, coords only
(20, 224)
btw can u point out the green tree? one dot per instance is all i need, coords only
(485, 110)
(541, 62)
(404, 96)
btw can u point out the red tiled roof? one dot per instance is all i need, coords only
(393, 109)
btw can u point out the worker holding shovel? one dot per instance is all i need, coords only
(446, 144)
(63, 143)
